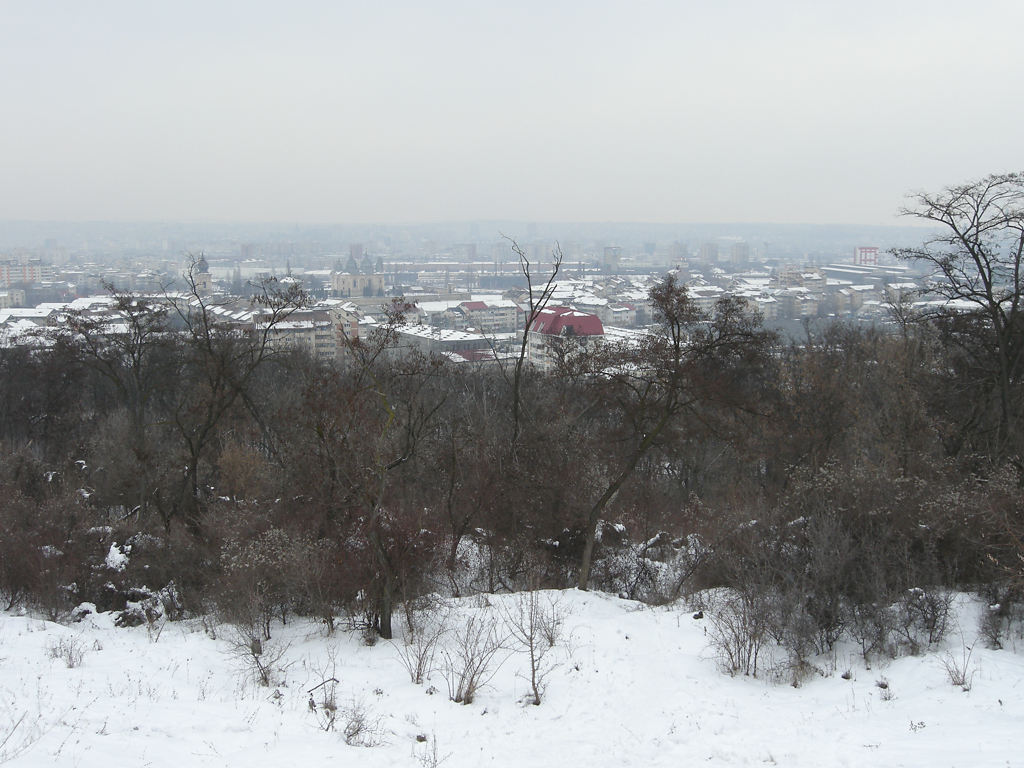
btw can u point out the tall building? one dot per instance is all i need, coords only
(610, 258)
(865, 256)
(739, 254)
(709, 253)
(23, 272)
(678, 251)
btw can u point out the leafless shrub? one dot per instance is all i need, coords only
(794, 670)
(871, 625)
(923, 616)
(210, 625)
(274, 575)
(739, 623)
(959, 669)
(428, 756)
(885, 690)
(68, 649)
(323, 703)
(1003, 621)
(551, 618)
(361, 615)
(323, 700)
(262, 660)
(624, 569)
(535, 625)
(418, 651)
(360, 726)
(471, 661)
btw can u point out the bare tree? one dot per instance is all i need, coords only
(537, 300)
(471, 660)
(395, 409)
(696, 360)
(130, 350)
(976, 260)
(220, 361)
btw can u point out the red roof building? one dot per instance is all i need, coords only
(552, 329)
(563, 321)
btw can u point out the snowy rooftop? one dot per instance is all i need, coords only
(439, 334)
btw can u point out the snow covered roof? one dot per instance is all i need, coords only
(7, 315)
(468, 355)
(557, 321)
(16, 327)
(438, 334)
(435, 307)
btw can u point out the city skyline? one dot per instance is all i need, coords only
(588, 112)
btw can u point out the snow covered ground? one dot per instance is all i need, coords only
(633, 685)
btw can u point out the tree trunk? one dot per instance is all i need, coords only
(385, 598)
(586, 562)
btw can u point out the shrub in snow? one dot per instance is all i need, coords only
(738, 631)
(885, 689)
(871, 625)
(958, 667)
(1002, 621)
(273, 575)
(69, 649)
(48, 558)
(923, 616)
(625, 571)
(428, 755)
(424, 631)
(535, 624)
(360, 727)
(323, 697)
(262, 661)
(653, 571)
(471, 658)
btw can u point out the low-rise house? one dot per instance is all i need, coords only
(494, 316)
(311, 331)
(429, 340)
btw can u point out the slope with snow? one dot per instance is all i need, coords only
(632, 685)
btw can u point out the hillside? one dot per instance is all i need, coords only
(630, 685)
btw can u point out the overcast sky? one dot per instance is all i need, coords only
(333, 111)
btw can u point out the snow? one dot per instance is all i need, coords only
(117, 560)
(633, 685)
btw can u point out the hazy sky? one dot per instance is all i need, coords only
(333, 111)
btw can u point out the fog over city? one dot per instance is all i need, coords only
(409, 112)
